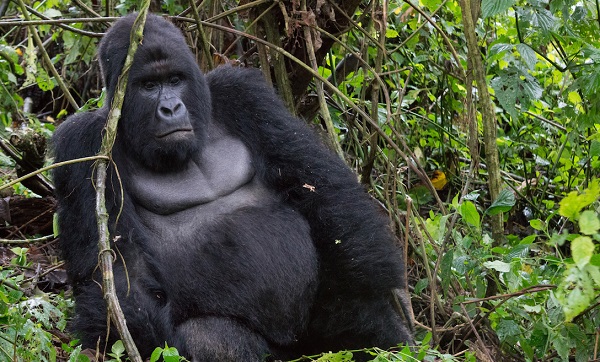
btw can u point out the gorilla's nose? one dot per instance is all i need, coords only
(171, 108)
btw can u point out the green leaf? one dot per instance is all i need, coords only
(595, 148)
(503, 203)
(55, 229)
(505, 89)
(561, 344)
(499, 48)
(537, 224)
(156, 354)
(421, 285)
(595, 260)
(497, 265)
(574, 98)
(171, 354)
(391, 33)
(588, 222)
(528, 55)
(494, 7)
(507, 328)
(469, 213)
(573, 203)
(544, 19)
(531, 88)
(519, 251)
(582, 249)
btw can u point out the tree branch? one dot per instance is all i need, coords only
(105, 253)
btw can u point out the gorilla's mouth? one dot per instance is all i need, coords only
(179, 132)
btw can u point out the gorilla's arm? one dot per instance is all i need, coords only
(344, 220)
(79, 136)
(359, 262)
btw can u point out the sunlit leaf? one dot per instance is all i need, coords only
(537, 224)
(497, 265)
(589, 222)
(572, 205)
(469, 213)
(582, 249)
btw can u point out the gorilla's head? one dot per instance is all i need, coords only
(167, 102)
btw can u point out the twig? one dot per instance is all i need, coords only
(202, 39)
(45, 272)
(19, 22)
(528, 290)
(64, 26)
(243, 7)
(105, 254)
(8, 149)
(482, 345)
(44, 169)
(87, 9)
(27, 241)
(319, 85)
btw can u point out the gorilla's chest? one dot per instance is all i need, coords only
(218, 182)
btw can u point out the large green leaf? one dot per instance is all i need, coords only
(503, 203)
(494, 7)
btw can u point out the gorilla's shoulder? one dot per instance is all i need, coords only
(238, 84)
(79, 134)
(236, 89)
(226, 76)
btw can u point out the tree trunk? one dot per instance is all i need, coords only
(487, 115)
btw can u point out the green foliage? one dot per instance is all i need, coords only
(26, 320)
(10, 69)
(169, 354)
(581, 280)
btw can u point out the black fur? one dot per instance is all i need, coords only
(301, 261)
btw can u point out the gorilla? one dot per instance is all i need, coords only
(238, 235)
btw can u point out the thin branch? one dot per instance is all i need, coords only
(44, 169)
(64, 26)
(104, 243)
(27, 241)
(319, 85)
(19, 22)
(528, 290)
(202, 39)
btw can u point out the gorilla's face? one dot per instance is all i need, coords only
(167, 103)
(161, 122)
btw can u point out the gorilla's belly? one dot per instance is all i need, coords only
(246, 255)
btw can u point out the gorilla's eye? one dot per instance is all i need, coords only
(174, 80)
(149, 85)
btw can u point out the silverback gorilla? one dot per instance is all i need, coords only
(241, 237)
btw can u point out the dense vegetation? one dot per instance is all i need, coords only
(500, 269)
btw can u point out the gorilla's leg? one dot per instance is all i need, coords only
(220, 339)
